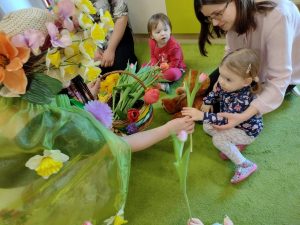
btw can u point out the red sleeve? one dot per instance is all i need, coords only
(153, 59)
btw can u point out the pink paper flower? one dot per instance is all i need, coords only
(58, 39)
(66, 9)
(31, 38)
(101, 111)
(151, 96)
(203, 77)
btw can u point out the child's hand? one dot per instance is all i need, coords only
(164, 66)
(94, 87)
(194, 221)
(206, 108)
(195, 114)
(179, 124)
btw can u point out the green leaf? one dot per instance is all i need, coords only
(41, 89)
(182, 169)
(178, 147)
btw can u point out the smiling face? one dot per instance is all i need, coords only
(231, 81)
(221, 15)
(161, 34)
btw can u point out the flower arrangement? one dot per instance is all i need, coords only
(35, 66)
(130, 94)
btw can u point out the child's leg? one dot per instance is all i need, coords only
(209, 129)
(172, 74)
(225, 141)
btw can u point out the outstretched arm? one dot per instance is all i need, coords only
(142, 140)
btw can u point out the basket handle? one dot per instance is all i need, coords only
(124, 72)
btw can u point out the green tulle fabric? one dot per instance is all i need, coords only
(91, 186)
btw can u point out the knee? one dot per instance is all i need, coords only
(172, 74)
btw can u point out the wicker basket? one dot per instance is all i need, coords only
(145, 110)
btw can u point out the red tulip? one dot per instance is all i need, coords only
(133, 115)
(151, 96)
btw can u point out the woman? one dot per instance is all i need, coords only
(272, 28)
(120, 48)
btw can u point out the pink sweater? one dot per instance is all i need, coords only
(277, 40)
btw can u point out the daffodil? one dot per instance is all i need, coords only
(119, 220)
(53, 58)
(88, 48)
(49, 163)
(85, 21)
(97, 33)
(85, 6)
(107, 20)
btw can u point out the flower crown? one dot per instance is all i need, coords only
(35, 66)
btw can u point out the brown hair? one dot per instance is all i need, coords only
(244, 22)
(155, 19)
(245, 63)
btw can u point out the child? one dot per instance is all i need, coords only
(165, 50)
(237, 82)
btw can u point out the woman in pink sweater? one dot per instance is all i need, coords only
(272, 28)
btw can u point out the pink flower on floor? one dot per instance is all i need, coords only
(87, 223)
(151, 96)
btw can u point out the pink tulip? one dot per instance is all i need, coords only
(203, 77)
(151, 96)
(87, 223)
(182, 136)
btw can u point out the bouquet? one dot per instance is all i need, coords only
(35, 66)
(130, 94)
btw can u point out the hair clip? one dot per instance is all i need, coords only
(248, 69)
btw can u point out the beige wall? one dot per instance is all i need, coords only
(141, 10)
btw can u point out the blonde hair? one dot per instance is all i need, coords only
(155, 19)
(245, 63)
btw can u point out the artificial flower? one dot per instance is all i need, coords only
(58, 39)
(182, 136)
(53, 57)
(107, 20)
(88, 48)
(97, 33)
(85, 21)
(33, 39)
(119, 220)
(103, 97)
(86, 6)
(90, 70)
(66, 9)
(151, 96)
(101, 111)
(12, 58)
(87, 223)
(132, 128)
(49, 163)
(133, 115)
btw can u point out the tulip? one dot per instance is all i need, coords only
(151, 96)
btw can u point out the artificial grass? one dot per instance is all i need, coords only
(271, 196)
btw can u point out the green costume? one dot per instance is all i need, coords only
(91, 186)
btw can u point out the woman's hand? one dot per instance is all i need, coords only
(178, 124)
(194, 221)
(107, 58)
(195, 114)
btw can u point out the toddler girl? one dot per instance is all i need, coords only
(164, 49)
(234, 91)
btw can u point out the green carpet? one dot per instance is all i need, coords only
(271, 196)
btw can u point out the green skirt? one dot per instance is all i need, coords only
(91, 186)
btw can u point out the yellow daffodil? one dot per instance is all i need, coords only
(97, 33)
(119, 220)
(85, 6)
(106, 18)
(88, 48)
(113, 77)
(49, 163)
(53, 58)
(85, 21)
(69, 72)
(92, 72)
(103, 97)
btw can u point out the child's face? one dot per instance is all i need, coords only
(161, 34)
(231, 81)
